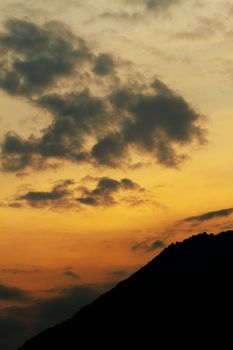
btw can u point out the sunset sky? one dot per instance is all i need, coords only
(116, 140)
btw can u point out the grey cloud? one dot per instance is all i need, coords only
(81, 108)
(102, 195)
(88, 201)
(71, 274)
(35, 56)
(148, 245)
(159, 4)
(13, 294)
(160, 122)
(15, 205)
(210, 215)
(42, 196)
(110, 150)
(152, 120)
(17, 153)
(128, 184)
(64, 194)
(56, 196)
(104, 65)
(154, 5)
(76, 116)
(140, 246)
(156, 245)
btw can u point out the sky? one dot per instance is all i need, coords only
(116, 140)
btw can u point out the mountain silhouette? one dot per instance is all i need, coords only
(182, 298)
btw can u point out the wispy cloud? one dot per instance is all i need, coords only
(71, 274)
(210, 215)
(17, 271)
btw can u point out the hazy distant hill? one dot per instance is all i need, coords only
(183, 297)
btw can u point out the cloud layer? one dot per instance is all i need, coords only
(66, 194)
(102, 129)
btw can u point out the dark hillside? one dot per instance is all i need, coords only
(183, 296)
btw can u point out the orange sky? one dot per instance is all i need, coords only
(185, 46)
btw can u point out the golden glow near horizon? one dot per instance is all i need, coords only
(189, 48)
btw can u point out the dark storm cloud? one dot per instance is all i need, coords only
(13, 294)
(88, 201)
(104, 65)
(110, 150)
(33, 57)
(161, 120)
(64, 194)
(81, 109)
(210, 215)
(57, 195)
(17, 153)
(76, 116)
(148, 246)
(102, 130)
(155, 122)
(42, 196)
(102, 195)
